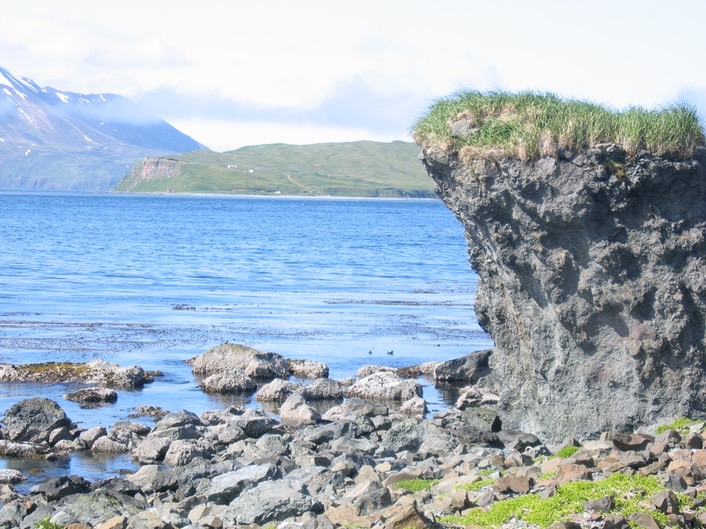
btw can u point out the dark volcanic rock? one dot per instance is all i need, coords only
(34, 419)
(590, 282)
(88, 397)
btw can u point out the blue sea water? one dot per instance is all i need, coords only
(155, 280)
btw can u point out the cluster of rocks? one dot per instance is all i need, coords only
(344, 467)
(101, 377)
(241, 467)
(98, 372)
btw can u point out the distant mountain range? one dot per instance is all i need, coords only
(58, 140)
(351, 169)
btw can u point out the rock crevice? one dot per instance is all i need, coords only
(592, 282)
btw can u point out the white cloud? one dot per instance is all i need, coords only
(228, 135)
(297, 57)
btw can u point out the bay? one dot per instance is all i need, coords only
(155, 280)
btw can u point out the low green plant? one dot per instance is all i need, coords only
(680, 425)
(567, 451)
(631, 494)
(530, 125)
(46, 523)
(416, 484)
(476, 485)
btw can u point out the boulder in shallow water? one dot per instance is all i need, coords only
(276, 391)
(308, 369)
(469, 368)
(323, 389)
(296, 412)
(228, 382)
(32, 420)
(241, 358)
(385, 386)
(88, 397)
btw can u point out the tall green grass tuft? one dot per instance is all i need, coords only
(530, 125)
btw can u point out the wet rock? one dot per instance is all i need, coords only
(295, 411)
(56, 488)
(308, 369)
(32, 420)
(88, 397)
(368, 370)
(149, 411)
(322, 389)
(384, 386)
(474, 397)
(10, 449)
(11, 476)
(98, 372)
(470, 368)
(234, 357)
(276, 391)
(110, 445)
(228, 382)
(415, 406)
(60, 434)
(88, 437)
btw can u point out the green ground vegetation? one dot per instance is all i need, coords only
(416, 484)
(567, 451)
(477, 485)
(352, 169)
(530, 125)
(631, 494)
(681, 425)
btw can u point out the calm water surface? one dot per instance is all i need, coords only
(155, 280)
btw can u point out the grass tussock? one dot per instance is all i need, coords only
(530, 125)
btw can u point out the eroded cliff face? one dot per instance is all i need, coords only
(592, 282)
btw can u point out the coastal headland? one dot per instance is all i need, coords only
(587, 228)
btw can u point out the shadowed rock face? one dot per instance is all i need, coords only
(592, 282)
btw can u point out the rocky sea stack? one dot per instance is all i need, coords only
(587, 229)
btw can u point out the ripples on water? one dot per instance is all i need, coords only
(155, 280)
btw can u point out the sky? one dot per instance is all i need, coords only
(231, 73)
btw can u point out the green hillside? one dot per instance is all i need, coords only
(355, 169)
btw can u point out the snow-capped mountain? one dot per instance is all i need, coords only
(54, 139)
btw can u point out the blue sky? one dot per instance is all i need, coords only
(234, 73)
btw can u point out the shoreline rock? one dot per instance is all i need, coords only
(589, 281)
(96, 372)
(363, 464)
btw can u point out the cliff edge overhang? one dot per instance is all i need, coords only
(591, 260)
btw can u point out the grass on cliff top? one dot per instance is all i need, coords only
(531, 125)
